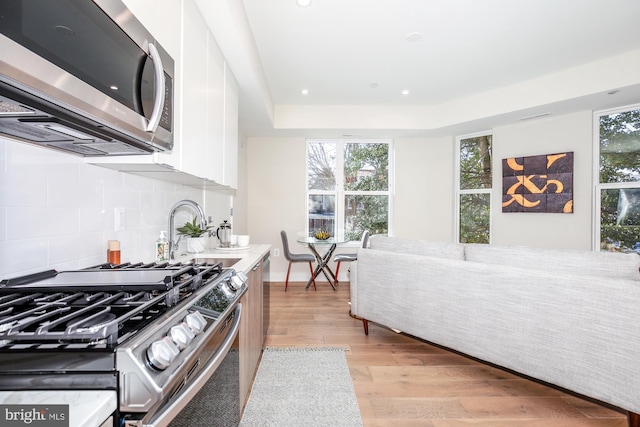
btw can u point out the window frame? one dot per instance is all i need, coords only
(599, 187)
(457, 183)
(340, 193)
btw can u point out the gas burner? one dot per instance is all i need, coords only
(93, 323)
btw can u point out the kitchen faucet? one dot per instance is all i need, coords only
(201, 219)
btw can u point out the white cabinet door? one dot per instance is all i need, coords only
(215, 111)
(193, 105)
(230, 129)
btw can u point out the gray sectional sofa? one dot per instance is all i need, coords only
(566, 317)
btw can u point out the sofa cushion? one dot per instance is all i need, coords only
(611, 265)
(417, 247)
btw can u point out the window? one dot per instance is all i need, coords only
(617, 140)
(348, 187)
(474, 188)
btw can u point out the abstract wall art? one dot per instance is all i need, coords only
(538, 183)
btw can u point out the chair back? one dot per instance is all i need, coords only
(285, 245)
(365, 238)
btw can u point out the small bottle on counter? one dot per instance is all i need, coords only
(113, 252)
(162, 248)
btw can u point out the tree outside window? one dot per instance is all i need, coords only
(348, 187)
(474, 192)
(618, 185)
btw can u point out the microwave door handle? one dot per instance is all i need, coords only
(158, 102)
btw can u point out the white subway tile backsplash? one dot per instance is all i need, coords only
(98, 175)
(22, 189)
(3, 163)
(126, 197)
(3, 219)
(141, 184)
(88, 194)
(23, 256)
(92, 220)
(62, 192)
(31, 160)
(29, 223)
(70, 248)
(134, 219)
(57, 211)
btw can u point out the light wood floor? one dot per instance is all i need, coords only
(404, 382)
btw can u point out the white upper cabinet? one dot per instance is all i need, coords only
(230, 129)
(215, 110)
(205, 151)
(193, 134)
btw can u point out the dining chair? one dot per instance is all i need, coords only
(295, 258)
(350, 256)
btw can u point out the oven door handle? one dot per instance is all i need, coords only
(162, 419)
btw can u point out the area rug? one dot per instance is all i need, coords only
(297, 387)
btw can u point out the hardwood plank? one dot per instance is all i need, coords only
(519, 407)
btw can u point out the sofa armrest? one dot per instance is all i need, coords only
(386, 285)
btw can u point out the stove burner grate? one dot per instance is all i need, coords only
(93, 314)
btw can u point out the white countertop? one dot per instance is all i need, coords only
(247, 257)
(86, 408)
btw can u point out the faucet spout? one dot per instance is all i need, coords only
(173, 244)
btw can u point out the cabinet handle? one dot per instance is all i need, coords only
(255, 267)
(158, 102)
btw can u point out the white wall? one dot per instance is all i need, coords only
(57, 212)
(240, 210)
(276, 180)
(424, 188)
(571, 132)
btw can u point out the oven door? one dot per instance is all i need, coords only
(211, 357)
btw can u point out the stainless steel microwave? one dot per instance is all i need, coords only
(83, 76)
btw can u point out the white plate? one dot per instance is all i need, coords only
(234, 248)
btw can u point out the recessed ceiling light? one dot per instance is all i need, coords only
(373, 85)
(113, 87)
(305, 91)
(413, 37)
(405, 92)
(303, 3)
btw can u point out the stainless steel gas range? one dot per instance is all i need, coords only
(153, 333)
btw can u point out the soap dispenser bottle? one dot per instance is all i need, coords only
(162, 248)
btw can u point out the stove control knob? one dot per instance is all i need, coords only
(181, 335)
(238, 280)
(161, 353)
(196, 322)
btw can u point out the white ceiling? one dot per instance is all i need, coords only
(361, 53)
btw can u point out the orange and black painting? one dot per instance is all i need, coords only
(538, 183)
